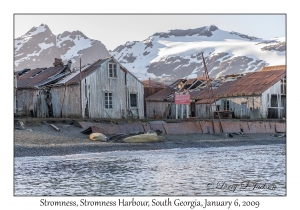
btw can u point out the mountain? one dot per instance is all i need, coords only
(177, 53)
(39, 46)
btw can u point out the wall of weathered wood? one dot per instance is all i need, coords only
(98, 83)
(148, 91)
(255, 107)
(26, 99)
(66, 101)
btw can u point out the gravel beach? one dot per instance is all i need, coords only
(43, 140)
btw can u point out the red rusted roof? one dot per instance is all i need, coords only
(254, 83)
(36, 76)
(273, 68)
(207, 101)
(161, 95)
(153, 84)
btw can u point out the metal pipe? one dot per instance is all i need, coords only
(54, 127)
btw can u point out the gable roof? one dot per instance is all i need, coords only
(87, 71)
(74, 78)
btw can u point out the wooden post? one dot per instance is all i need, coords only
(181, 105)
(187, 111)
(176, 111)
(80, 88)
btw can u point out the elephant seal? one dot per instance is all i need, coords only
(98, 137)
(144, 138)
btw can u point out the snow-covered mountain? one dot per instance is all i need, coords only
(39, 46)
(177, 53)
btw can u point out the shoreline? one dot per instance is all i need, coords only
(44, 141)
(40, 139)
(61, 150)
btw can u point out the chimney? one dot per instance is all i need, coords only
(58, 62)
(69, 64)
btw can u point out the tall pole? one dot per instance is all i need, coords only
(80, 89)
(211, 96)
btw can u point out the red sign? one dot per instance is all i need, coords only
(182, 99)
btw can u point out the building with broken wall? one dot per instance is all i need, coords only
(253, 95)
(108, 90)
(257, 95)
(161, 104)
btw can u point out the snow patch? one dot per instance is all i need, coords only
(80, 44)
(45, 46)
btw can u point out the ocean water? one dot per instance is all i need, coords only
(246, 170)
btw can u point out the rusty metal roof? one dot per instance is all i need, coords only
(161, 95)
(273, 68)
(153, 84)
(254, 83)
(207, 100)
(37, 76)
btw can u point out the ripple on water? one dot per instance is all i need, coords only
(158, 172)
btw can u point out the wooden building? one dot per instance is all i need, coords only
(161, 104)
(32, 96)
(104, 89)
(151, 87)
(257, 95)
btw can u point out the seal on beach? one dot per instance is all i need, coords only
(98, 137)
(150, 136)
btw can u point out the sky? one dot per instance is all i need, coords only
(115, 29)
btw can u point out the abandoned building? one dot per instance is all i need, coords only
(151, 87)
(161, 104)
(104, 89)
(33, 97)
(253, 95)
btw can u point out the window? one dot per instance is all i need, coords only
(112, 70)
(225, 105)
(133, 100)
(274, 101)
(108, 101)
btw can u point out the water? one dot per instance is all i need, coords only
(247, 170)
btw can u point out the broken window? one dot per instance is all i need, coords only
(226, 105)
(274, 101)
(283, 86)
(108, 101)
(133, 100)
(112, 69)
